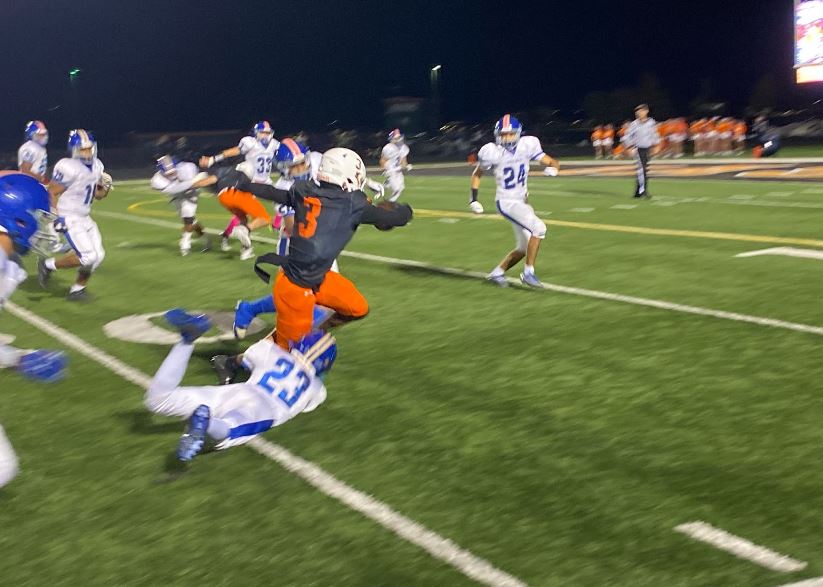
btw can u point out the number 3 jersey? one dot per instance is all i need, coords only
(511, 166)
(80, 181)
(288, 384)
(261, 157)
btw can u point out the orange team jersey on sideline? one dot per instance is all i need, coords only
(608, 133)
(243, 204)
(724, 126)
(597, 134)
(740, 129)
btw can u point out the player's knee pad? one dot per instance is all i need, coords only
(189, 220)
(539, 229)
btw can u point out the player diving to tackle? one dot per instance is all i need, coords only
(509, 156)
(181, 180)
(394, 160)
(295, 163)
(77, 181)
(327, 212)
(258, 151)
(283, 384)
(24, 210)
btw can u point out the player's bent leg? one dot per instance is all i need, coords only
(244, 415)
(342, 296)
(294, 305)
(245, 312)
(9, 466)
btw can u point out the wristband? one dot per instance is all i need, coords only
(219, 157)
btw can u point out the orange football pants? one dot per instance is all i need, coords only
(243, 204)
(295, 304)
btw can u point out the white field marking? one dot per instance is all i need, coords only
(742, 197)
(812, 191)
(437, 546)
(582, 210)
(124, 245)
(449, 220)
(814, 582)
(786, 252)
(577, 291)
(665, 203)
(624, 207)
(779, 194)
(6, 338)
(740, 547)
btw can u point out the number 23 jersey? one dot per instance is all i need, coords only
(290, 386)
(511, 166)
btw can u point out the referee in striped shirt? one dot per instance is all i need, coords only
(642, 135)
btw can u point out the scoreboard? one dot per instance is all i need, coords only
(808, 40)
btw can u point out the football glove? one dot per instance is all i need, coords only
(550, 171)
(59, 224)
(106, 181)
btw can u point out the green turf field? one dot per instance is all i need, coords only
(558, 436)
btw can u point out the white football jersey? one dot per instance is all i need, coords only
(262, 158)
(289, 385)
(285, 183)
(187, 174)
(80, 181)
(511, 167)
(394, 155)
(35, 154)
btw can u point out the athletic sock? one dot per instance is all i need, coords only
(264, 305)
(218, 429)
(497, 271)
(529, 269)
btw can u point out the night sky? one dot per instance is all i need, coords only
(204, 64)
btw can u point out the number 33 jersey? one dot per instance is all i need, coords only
(511, 166)
(288, 384)
(80, 181)
(260, 156)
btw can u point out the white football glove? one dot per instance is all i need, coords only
(106, 181)
(409, 167)
(550, 171)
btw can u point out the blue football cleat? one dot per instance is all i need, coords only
(43, 365)
(498, 280)
(191, 327)
(191, 443)
(531, 280)
(243, 315)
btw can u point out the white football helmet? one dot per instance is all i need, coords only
(344, 168)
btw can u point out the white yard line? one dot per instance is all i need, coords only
(437, 546)
(740, 547)
(786, 252)
(588, 293)
(814, 582)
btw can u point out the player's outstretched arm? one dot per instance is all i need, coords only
(206, 161)
(387, 215)
(267, 192)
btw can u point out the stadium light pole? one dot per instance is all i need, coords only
(434, 78)
(74, 95)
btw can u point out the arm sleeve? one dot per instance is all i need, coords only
(535, 149)
(629, 138)
(386, 218)
(268, 192)
(178, 187)
(62, 173)
(488, 156)
(25, 154)
(245, 145)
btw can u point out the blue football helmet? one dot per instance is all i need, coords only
(36, 131)
(167, 165)
(82, 139)
(289, 154)
(318, 349)
(24, 211)
(508, 124)
(396, 136)
(263, 132)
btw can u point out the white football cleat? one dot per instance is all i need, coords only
(242, 234)
(246, 253)
(225, 245)
(476, 207)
